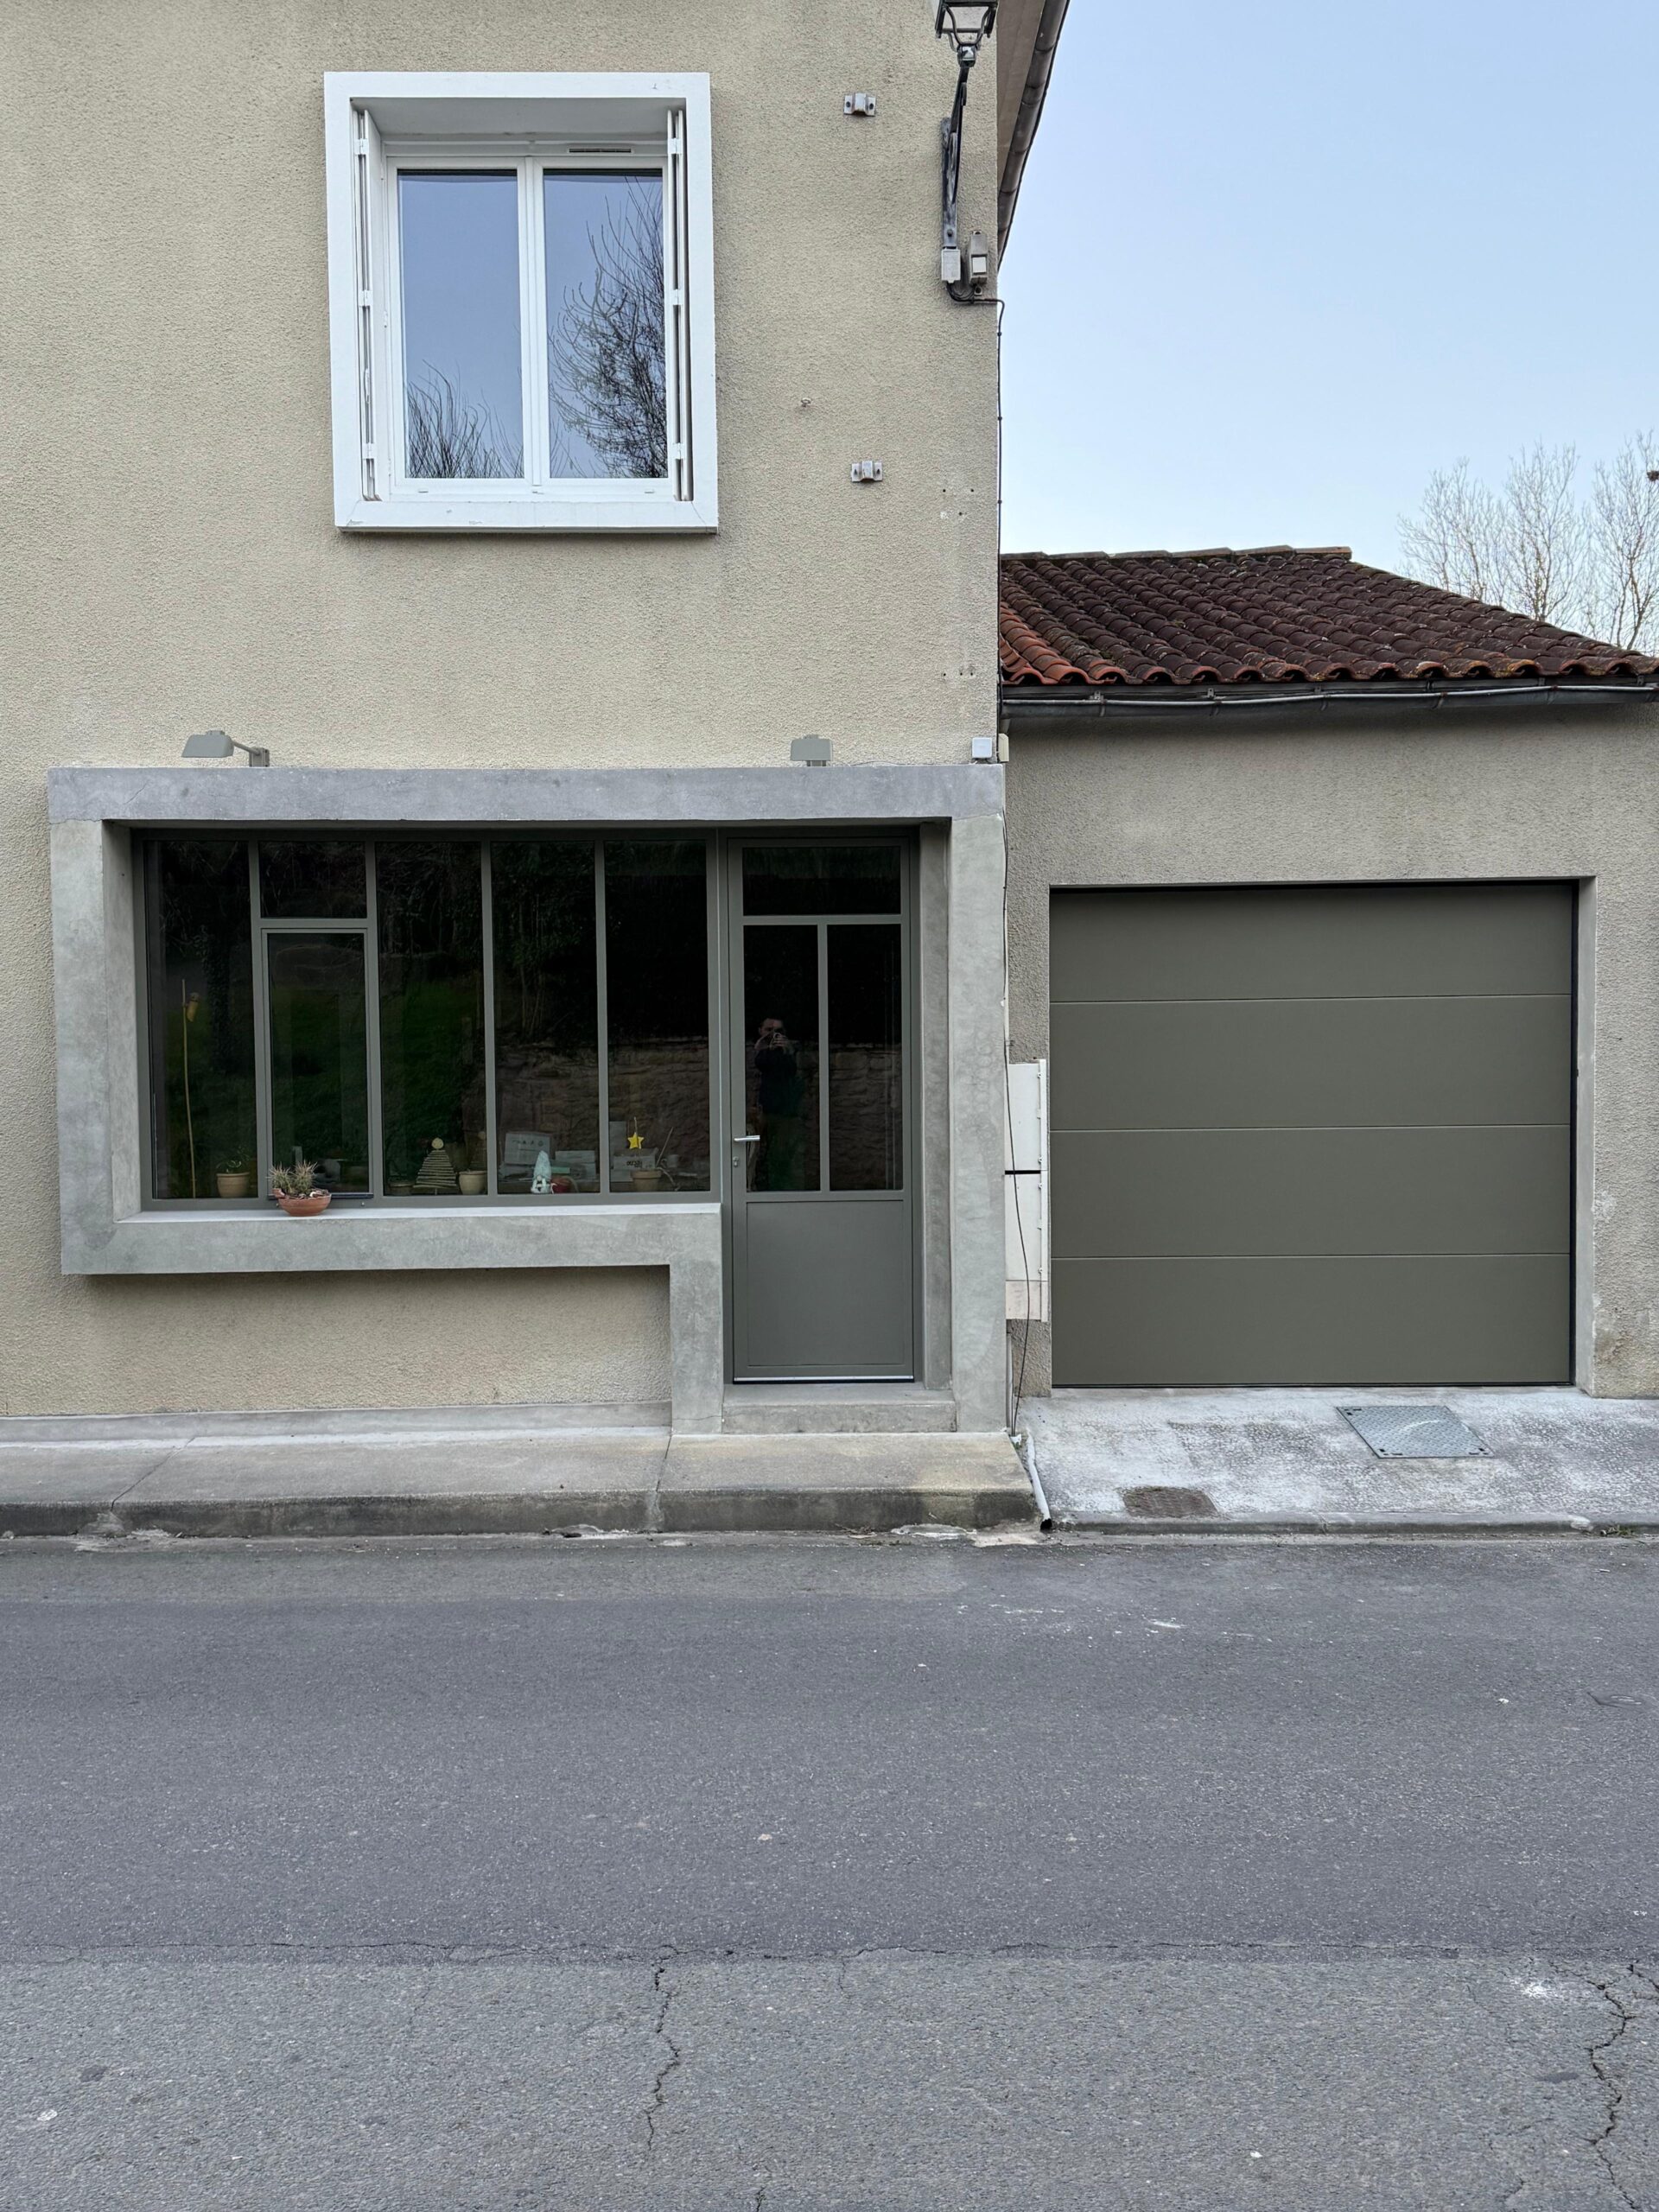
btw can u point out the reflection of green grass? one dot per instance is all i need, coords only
(432, 1069)
(221, 1100)
(319, 1076)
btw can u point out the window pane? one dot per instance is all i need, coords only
(306, 879)
(546, 1014)
(866, 1069)
(201, 994)
(657, 981)
(780, 1012)
(462, 372)
(318, 1056)
(605, 357)
(429, 901)
(821, 878)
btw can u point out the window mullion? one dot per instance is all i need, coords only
(487, 879)
(263, 1109)
(538, 439)
(372, 1024)
(603, 1017)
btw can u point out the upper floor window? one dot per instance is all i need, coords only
(522, 301)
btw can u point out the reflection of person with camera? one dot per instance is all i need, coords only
(780, 1090)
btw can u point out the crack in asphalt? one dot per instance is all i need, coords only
(1629, 2008)
(665, 1992)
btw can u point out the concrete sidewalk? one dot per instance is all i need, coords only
(1287, 1461)
(491, 1470)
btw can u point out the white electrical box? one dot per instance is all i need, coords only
(1027, 1191)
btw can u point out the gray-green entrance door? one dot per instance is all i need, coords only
(1311, 1135)
(822, 1220)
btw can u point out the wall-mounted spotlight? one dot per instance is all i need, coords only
(967, 24)
(213, 745)
(810, 751)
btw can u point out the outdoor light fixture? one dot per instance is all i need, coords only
(967, 24)
(213, 745)
(810, 751)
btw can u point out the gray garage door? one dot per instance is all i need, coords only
(1313, 1135)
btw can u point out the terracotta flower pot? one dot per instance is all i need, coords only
(316, 1202)
(234, 1186)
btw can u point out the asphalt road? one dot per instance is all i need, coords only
(618, 1875)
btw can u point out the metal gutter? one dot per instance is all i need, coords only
(1028, 115)
(1031, 703)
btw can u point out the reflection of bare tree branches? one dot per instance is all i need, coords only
(450, 435)
(606, 364)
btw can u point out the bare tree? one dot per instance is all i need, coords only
(1538, 546)
(607, 361)
(1624, 530)
(450, 436)
(1455, 538)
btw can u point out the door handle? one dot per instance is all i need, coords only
(748, 1140)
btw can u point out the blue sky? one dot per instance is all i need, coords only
(1273, 263)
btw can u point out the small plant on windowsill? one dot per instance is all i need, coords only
(234, 1178)
(294, 1188)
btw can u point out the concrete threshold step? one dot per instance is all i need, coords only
(837, 1409)
(508, 1485)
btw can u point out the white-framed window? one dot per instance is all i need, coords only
(521, 301)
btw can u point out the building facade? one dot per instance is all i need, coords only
(507, 428)
(1333, 919)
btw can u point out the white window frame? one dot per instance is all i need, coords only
(376, 124)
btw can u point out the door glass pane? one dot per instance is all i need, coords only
(821, 878)
(318, 1056)
(867, 1067)
(463, 403)
(201, 996)
(781, 1017)
(312, 879)
(429, 901)
(657, 987)
(546, 1014)
(606, 360)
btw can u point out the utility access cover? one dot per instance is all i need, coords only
(1412, 1432)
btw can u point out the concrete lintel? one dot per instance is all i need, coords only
(468, 797)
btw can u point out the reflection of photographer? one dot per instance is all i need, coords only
(780, 1091)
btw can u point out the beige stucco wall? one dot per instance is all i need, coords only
(1360, 795)
(171, 561)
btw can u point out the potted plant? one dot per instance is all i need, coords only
(294, 1188)
(235, 1179)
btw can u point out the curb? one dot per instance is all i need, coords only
(1339, 1524)
(874, 1509)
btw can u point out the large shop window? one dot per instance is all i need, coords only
(523, 1019)
(522, 302)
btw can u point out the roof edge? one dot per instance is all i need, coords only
(1028, 114)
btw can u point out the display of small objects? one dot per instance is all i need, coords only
(437, 1173)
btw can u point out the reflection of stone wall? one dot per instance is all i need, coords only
(662, 1089)
(866, 1118)
(557, 1097)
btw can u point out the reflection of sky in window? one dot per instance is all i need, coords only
(462, 362)
(606, 348)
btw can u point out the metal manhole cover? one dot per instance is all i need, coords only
(1412, 1432)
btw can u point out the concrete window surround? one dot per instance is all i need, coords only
(104, 1230)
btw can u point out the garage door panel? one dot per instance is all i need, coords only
(1310, 1062)
(1257, 1192)
(1217, 1323)
(1373, 941)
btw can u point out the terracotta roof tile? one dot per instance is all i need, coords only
(1274, 614)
